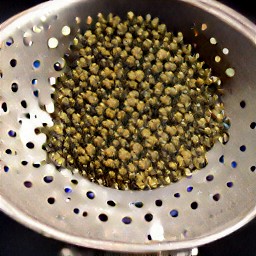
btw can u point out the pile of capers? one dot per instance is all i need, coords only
(136, 109)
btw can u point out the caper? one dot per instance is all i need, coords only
(136, 108)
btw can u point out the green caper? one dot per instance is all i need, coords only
(137, 108)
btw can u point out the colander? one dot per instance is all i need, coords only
(210, 204)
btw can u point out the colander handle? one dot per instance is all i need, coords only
(76, 251)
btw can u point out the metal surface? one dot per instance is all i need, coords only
(74, 217)
(85, 252)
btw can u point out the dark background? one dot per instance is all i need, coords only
(16, 240)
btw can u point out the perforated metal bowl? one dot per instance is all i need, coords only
(211, 204)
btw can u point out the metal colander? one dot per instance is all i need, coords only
(211, 204)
